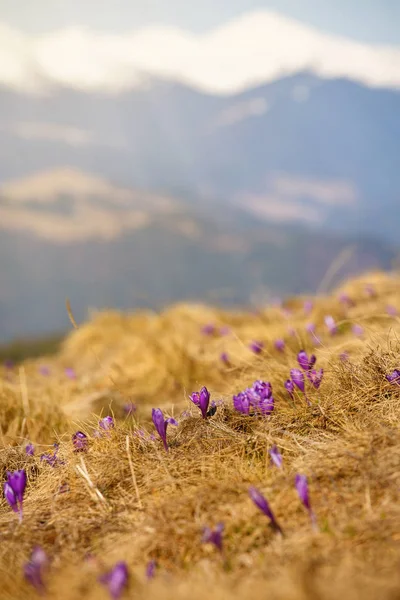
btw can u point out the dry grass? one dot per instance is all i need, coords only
(138, 502)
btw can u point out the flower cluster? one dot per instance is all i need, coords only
(257, 399)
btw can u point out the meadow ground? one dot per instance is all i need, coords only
(126, 499)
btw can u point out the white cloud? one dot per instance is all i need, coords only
(254, 48)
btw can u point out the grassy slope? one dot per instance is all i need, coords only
(347, 443)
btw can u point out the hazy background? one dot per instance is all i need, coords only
(228, 151)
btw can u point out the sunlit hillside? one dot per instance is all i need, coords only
(113, 493)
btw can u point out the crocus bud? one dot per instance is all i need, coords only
(70, 373)
(297, 377)
(279, 345)
(214, 536)
(201, 400)
(33, 570)
(391, 311)
(256, 347)
(106, 423)
(116, 580)
(208, 329)
(394, 377)
(14, 490)
(276, 456)
(30, 449)
(306, 362)
(302, 490)
(357, 330)
(315, 377)
(151, 569)
(80, 441)
(161, 424)
(261, 502)
(331, 325)
(289, 385)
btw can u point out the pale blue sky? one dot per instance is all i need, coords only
(376, 21)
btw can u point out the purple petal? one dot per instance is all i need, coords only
(116, 580)
(30, 449)
(276, 456)
(297, 377)
(261, 502)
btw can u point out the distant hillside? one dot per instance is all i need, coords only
(70, 234)
(298, 150)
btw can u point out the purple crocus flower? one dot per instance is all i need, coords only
(370, 290)
(256, 347)
(130, 408)
(394, 377)
(201, 400)
(33, 569)
(308, 306)
(346, 300)
(52, 459)
(106, 423)
(315, 377)
(276, 456)
(357, 330)
(30, 449)
(344, 356)
(70, 373)
(214, 536)
(80, 441)
(279, 345)
(297, 377)
(302, 490)
(225, 358)
(116, 580)
(14, 489)
(44, 370)
(160, 423)
(310, 328)
(208, 329)
(306, 362)
(391, 311)
(261, 502)
(241, 403)
(331, 324)
(289, 385)
(151, 569)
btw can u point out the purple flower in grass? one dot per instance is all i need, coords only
(208, 329)
(279, 345)
(302, 490)
(107, 423)
(70, 373)
(225, 358)
(14, 489)
(306, 362)
(310, 328)
(116, 580)
(357, 330)
(369, 290)
(315, 377)
(161, 424)
(391, 311)
(33, 569)
(256, 347)
(394, 377)
(241, 403)
(308, 306)
(331, 324)
(201, 400)
(214, 536)
(261, 502)
(80, 441)
(30, 449)
(52, 459)
(297, 377)
(344, 356)
(289, 385)
(44, 370)
(276, 456)
(346, 300)
(151, 569)
(130, 408)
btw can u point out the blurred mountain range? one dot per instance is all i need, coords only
(164, 193)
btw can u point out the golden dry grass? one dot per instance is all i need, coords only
(140, 503)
